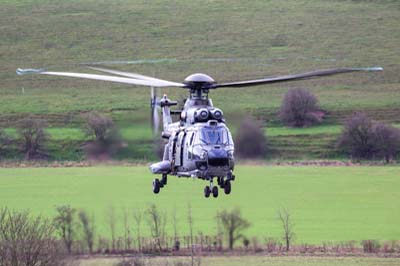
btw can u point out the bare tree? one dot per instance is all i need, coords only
(156, 221)
(127, 230)
(386, 140)
(250, 140)
(363, 138)
(99, 126)
(175, 224)
(65, 225)
(137, 217)
(106, 137)
(287, 225)
(111, 219)
(233, 224)
(190, 222)
(32, 137)
(28, 241)
(88, 228)
(357, 136)
(299, 108)
(5, 140)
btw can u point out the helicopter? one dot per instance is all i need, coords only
(199, 144)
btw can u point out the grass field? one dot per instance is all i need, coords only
(263, 261)
(327, 203)
(226, 39)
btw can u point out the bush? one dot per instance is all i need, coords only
(371, 246)
(4, 141)
(250, 141)
(64, 223)
(26, 240)
(364, 138)
(106, 140)
(233, 224)
(299, 109)
(386, 140)
(32, 138)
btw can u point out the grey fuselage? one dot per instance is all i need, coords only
(199, 144)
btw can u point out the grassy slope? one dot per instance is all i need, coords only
(328, 204)
(252, 39)
(265, 261)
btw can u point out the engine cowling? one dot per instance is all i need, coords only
(201, 115)
(217, 114)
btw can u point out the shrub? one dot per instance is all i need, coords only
(106, 139)
(88, 228)
(363, 138)
(26, 240)
(371, 246)
(156, 221)
(386, 141)
(233, 224)
(250, 141)
(64, 223)
(32, 137)
(299, 109)
(4, 141)
(356, 136)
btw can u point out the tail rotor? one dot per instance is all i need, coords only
(155, 109)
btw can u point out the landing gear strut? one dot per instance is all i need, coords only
(158, 184)
(211, 189)
(164, 179)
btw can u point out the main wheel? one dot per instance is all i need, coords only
(215, 191)
(227, 187)
(207, 191)
(156, 186)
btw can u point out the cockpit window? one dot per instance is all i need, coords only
(214, 136)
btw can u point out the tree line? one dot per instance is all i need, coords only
(26, 239)
(361, 137)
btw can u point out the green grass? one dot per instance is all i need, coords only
(260, 261)
(327, 203)
(256, 39)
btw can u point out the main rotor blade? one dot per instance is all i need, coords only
(307, 75)
(100, 77)
(135, 76)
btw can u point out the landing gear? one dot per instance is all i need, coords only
(223, 183)
(207, 191)
(156, 186)
(227, 187)
(215, 191)
(164, 179)
(211, 189)
(220, 181)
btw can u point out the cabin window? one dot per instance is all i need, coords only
(214, 136)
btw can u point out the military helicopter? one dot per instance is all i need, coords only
(200, 144)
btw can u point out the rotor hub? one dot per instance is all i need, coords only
(199, 81)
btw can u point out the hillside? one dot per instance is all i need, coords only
(228, 40)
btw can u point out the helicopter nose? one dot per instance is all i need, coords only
(218, 157)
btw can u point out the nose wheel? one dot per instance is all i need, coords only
(211, 189)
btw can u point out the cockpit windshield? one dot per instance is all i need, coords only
(214, 136)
